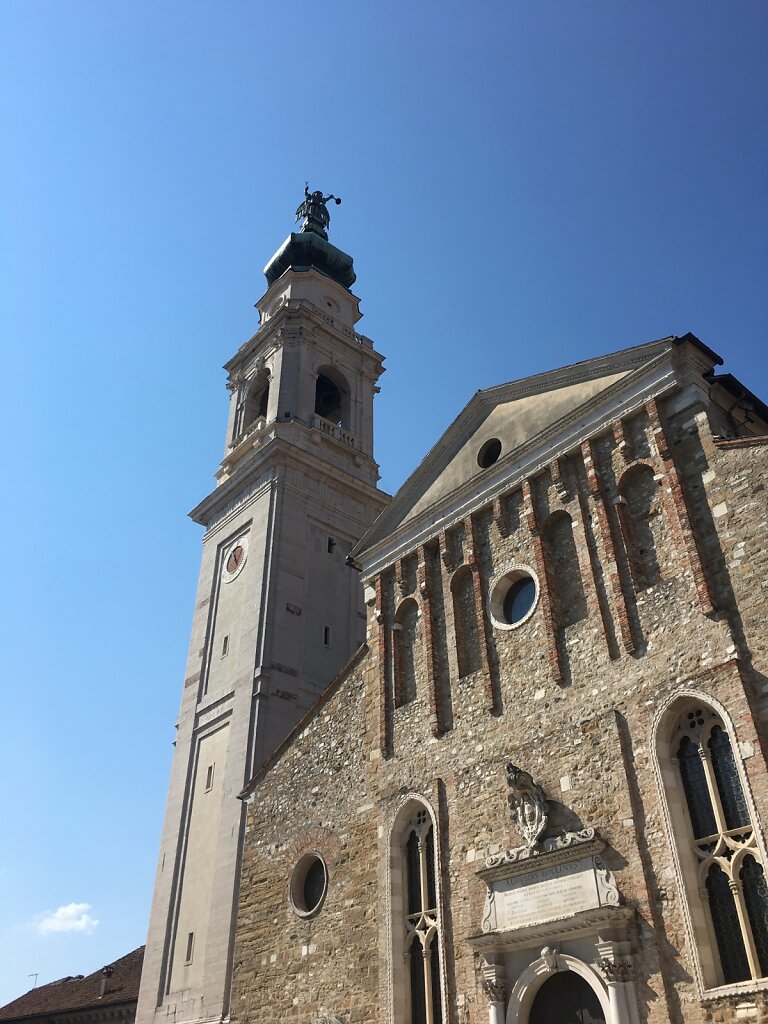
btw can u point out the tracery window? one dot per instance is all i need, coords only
(421, 921)
(730, 879)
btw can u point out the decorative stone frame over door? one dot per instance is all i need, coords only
(532, 979)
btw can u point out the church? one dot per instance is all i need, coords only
(494, 749)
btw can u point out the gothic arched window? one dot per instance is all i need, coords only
(416, 928)
(718, 849)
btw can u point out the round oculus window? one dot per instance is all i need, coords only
(489, 453)
(309, 884)
(514, 597)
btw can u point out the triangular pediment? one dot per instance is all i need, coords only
(513, 419)
(538, 411)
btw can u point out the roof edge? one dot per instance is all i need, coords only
(278, 752)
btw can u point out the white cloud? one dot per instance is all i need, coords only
(72, 917)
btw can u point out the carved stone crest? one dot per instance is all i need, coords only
(528, 804)
(549, 956)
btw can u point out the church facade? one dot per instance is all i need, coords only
(536, 792)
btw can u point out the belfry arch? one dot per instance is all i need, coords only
(332, 396)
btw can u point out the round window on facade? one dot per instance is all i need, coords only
(514, 597)
(309, 884)
(489, 453)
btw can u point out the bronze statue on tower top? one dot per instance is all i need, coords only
(314, 210)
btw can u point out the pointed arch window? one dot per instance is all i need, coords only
(421, 921)
(416, 934)
(730, 878)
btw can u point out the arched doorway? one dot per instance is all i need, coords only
(566, 998)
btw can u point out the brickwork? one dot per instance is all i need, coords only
(578, 696)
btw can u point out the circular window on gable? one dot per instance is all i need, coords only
(514, 597)
(489, 453)
(309, 884)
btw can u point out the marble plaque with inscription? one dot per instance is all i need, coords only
(548, 893)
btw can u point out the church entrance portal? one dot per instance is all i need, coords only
(565, 998)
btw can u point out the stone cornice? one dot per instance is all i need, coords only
(729, 443)
(261, 469)
(322, 700)
(545, 859)
(382, 544)
(586, 922)
(378, 548)
(311, 315)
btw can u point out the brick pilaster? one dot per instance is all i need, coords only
(609, 532)
(424, 584)
(473, 561)
(622, 441)
(558, 482)
(446, 556)
(382, 649)
(593, 578)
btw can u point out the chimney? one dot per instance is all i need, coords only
(106, 974)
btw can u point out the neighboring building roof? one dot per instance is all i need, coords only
(81, 993)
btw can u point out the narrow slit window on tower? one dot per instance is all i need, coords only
(225, 647)
(331, 545)
(326, 636)
(190, 947)
(209, 778)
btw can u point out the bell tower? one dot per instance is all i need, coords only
(278, 611)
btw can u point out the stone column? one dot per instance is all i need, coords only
(495, 988)
(617, 975)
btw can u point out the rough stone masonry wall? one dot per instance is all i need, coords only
(571, 699)
(319, 796)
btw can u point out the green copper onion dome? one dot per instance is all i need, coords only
(309, 247)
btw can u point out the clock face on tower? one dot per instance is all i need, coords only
(234, 559)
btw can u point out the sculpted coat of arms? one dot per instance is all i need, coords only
(528, 804)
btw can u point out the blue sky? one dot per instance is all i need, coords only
(524, 185)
